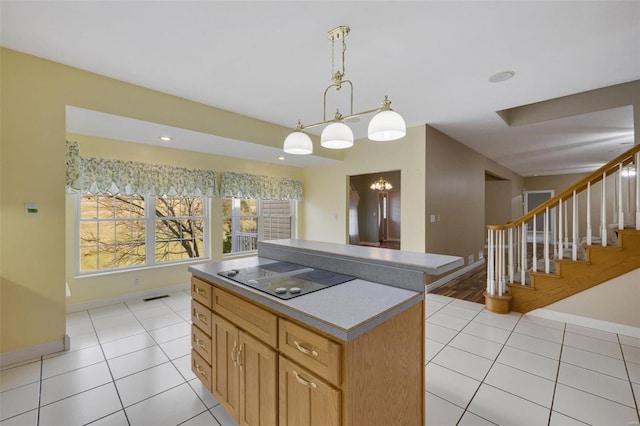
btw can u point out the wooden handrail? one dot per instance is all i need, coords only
(609, 168)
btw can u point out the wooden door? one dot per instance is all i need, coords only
(224, 383)
(305, 400)
(258, 382)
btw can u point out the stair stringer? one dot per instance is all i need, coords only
(571, 277)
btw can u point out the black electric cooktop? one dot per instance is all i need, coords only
(284, 279)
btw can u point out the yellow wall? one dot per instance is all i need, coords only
(86, 289)
(326, 188)
(34, 95)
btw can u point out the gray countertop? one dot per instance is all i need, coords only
(429, 263)
(343, 311)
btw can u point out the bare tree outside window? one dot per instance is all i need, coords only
(113, 230)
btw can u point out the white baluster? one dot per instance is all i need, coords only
(546, 240)
(510, 266)
(603, 214)
(560, 247)
(490, 265)
(534, 250)
(574, 227)
(637, 164)
(620, 212)
(500, 273)
(523, 254)
(589, 213)
(566, 224)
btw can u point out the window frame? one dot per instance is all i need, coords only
(293, 208)
(150, 238)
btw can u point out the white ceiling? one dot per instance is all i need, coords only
(271, 60)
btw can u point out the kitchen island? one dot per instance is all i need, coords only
(348, 354)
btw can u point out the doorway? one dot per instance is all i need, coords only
(375, 212)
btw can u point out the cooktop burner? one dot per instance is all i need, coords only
(284, 279)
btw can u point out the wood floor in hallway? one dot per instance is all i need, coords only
(469, 286)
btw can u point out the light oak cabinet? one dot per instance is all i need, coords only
(268, 369)
(305, 399)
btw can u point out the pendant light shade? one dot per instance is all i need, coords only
(298, 143)
(336, 136)
(387, 126)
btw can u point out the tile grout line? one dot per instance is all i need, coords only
(626, 368)
(555, 385)
(40, 390)
(488, 371)
(110, 372)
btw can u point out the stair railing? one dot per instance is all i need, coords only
(552, 230)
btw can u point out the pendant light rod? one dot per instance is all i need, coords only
(386, 125)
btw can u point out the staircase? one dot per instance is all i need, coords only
(552, 252)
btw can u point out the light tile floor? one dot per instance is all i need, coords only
(129, 364)
(485, 369)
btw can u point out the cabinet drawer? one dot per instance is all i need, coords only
(201, 291)
(306, 399)
(201, 316)
(201, 343)
(249, 317)
(201, 369)
(311, 350)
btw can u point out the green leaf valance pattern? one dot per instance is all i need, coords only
(96, 175)
(245, 185)
(99, 175)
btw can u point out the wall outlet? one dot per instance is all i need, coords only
(470, 259)
(136, 281)
(480, 255)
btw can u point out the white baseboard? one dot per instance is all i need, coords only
(76, 307)
(442, 281)
(611, 327)
(35, 352)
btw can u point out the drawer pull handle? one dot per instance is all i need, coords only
(201, 370)
(304, 350)
(200, 292)
(303, 381)
(200, 343)
(201, 318)
(233, 354)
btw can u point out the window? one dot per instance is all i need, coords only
(119, 231)
(247, 221)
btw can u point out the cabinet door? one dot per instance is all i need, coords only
(224, 377)
(305, 400)
(258, 382)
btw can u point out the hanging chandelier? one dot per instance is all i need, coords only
(381, 185)
(386, 125)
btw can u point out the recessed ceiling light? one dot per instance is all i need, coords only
(165, 138)
(281, 158)
(501, 76)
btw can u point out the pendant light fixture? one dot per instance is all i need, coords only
(386, 125)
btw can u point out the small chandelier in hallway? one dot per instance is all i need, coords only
(381, 185)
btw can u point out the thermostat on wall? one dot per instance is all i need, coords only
(31, 209)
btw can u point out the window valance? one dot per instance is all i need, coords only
(94, 175)
(245, 185)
